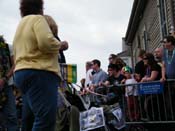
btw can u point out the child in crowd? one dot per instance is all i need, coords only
(131, 94)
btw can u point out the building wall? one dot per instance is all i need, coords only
(149, 30)
(169, 14)
(148, 34)
(173, 12)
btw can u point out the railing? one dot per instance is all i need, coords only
(152, 107)
(153, 104)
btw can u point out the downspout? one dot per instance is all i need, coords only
(172, 17)
(158, 7)
(132, 56)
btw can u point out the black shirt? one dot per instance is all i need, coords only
(114, 81)
(140, 68)
(61, 58)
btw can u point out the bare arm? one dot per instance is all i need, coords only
(163, 71)
(151, 78)
(64, 45)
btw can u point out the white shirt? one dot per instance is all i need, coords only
(132, 89)
(88, 79)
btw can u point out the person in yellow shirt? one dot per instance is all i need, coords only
(37, 71)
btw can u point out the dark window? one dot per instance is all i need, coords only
(138, 40)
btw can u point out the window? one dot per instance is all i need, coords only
(138, 40)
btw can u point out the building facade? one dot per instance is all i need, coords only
(149, 22)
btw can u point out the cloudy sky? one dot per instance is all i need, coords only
(93, 28)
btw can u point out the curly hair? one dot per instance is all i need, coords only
(28, 7)
(118, 61)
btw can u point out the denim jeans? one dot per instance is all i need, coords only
(39, 90)
(10, 110)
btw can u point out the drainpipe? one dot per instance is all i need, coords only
(172, 17)
(158, 7)
(132, 60)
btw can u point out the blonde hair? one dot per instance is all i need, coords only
(52, 24)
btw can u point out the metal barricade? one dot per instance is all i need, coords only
(151, 108)
(153, 105)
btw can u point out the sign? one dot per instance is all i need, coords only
(92, 119)
(120, 123)
(69, 72)
(150, 88)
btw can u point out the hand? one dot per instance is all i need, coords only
(64, 45)
(92, 87)
(101, 83)
(144, 79)
(123, 81)
(85, 91)
(163, 79)
(2, 82)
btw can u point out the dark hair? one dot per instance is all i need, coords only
(141, 53)
(28, 7)
(170, 38)
(118, 61)
(151, 59)
(113, 56)
(95, 61)
(88, 63)
(2, 39)
(114, 67)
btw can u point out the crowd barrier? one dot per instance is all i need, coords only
(153, 107)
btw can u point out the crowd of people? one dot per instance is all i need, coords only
(155, 66)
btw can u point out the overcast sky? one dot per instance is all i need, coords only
(93, 28)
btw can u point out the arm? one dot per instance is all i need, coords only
(163, 72)
(106, 83)
(46, 41)
(64, 45)
(151, 78)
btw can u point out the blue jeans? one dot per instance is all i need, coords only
(39, 90)
(10, 110)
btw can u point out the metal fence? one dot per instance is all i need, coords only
(153, 107)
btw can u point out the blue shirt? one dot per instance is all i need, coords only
(169, 60)
(99, 76)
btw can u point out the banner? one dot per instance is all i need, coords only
(151, 88)
(92, 119)
(69, 72)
